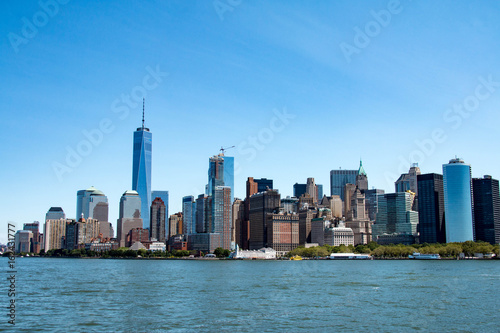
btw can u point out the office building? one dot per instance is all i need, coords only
(163, 195)
(338, 179)
(222, 216)
(486, 209)
(78, 233)
(327, 232)
(202, 208)
(130, 215)
(395, 216)
(189, 214)
(260, 204)
(457, 185)
(141, 169)
(282, 232)
(408, 181)
(361, 178)
(229, 174)
(92, 203)
(371, 202)
(299, 190)
(238, 217)
(55, 213)
(23, 240)
(36, 240)
(290, 205)
(306, 215)
(431, 218)
(157, 217)
(175, 225)
(54, 233)
(137, 235)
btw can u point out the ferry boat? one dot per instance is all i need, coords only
(417, 255)
(350, 256)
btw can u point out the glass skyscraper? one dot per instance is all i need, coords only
(141, 169)
(458, 201)
(91, 203)
(338, 179)
(189, 214)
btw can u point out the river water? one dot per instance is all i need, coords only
(112, 295)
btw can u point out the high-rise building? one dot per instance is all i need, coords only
(371, 203)
(290, 205)
(431, 219)
(189, 214)
(486, 209)
(222, 216)
(408, 181)
(141, 169)
(319, 190)
(23, 240)
(338, 179)
(80, 233)
(282, 231)
(306, 215)
(55, 213)
(158, 217)
(395, 216)
(261, 204)
(137, 235)
(229, 174)
(175, 225)
(215, 173)
(201, 209)
(163, 195)
(92, 203)
(130, 215)
(311, 189)
(361, 178)
(54, 233)
(237, 222)
(36, 239)
(457, 185)
(299, 189)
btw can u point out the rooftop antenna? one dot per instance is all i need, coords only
(143, 113)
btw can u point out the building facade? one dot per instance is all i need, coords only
(486, 209)
(338, 179)
(92, 203)
(260, 204)
(431, 218)
(282, 232)
(130, 215)
(158, 220)
(141, 169)
(457, 186)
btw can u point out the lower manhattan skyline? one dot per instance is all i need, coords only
(298, 90)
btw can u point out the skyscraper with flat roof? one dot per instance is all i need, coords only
(189, 214)
(141, 169)
(486, 209)
(457, 186)
(431, 208)
(338, 179)
(163, 195)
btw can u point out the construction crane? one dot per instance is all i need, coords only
(223, 150)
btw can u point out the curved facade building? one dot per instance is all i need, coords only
(458, 201)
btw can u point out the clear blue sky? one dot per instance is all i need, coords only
(356, 87)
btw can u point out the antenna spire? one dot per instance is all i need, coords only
(143, 114)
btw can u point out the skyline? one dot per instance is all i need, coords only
(231, 82)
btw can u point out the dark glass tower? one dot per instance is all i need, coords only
(141, 169)
(486, 209)
(431, 208)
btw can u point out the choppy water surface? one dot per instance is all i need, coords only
(194, 295)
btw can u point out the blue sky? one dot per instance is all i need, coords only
(419, 82)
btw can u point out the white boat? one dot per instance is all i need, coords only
(350, 256)
(417, 255)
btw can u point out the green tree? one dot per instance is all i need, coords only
(221, 253)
